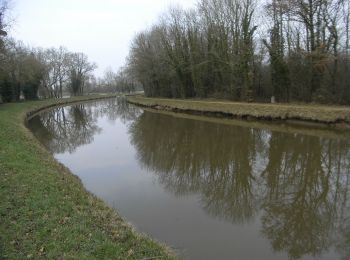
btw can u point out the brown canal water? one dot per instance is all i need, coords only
(210, 188)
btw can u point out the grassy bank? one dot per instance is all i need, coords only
(333, 115)
(45, 210)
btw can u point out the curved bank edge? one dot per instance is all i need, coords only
(100, 231)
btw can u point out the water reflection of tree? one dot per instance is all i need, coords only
(195, 156)
(117, 108)
(65, 129)
(301, 186)
(299, 207)
(343, 245)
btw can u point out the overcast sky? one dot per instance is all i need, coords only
(103, 29)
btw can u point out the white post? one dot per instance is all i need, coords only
(273, 100)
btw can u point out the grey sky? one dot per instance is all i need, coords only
(103, 29)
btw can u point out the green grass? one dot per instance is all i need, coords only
(44, 209)
(339, 115)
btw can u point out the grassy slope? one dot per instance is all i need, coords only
(314, 113)
(45, 210)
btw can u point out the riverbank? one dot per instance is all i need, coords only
(45, 210)
(338, 116)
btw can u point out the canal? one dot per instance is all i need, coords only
(210, 188)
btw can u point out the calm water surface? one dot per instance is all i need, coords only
(210, 189)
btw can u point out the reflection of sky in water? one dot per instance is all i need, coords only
(105, 150)
(136, 163)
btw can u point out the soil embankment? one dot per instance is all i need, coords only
(338, 116)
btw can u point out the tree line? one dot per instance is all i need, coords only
(294, 50)
(120, 82)
(31, 73)
(27, 73)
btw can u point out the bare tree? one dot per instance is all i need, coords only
(79, 68)
(57, 70)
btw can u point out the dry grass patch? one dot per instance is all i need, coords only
(310, 113)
